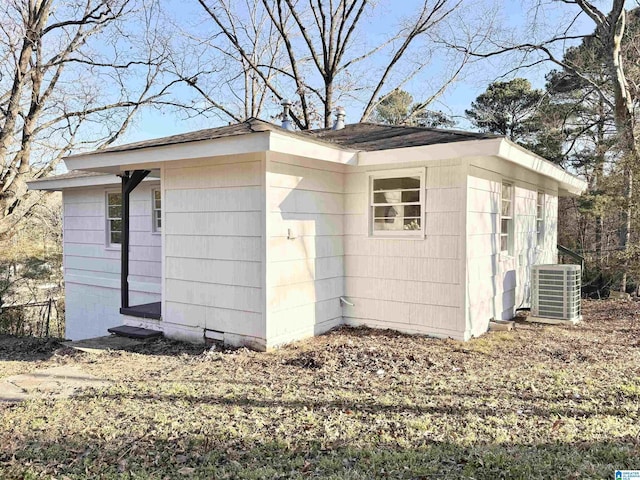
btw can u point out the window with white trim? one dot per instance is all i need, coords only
(114, 218)
(540, 218)
(156, 206)
(506, 219)
(396, 203)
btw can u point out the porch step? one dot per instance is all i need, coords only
(134, 332)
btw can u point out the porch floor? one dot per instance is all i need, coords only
(147, 310)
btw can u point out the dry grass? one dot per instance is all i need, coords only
(539, 402)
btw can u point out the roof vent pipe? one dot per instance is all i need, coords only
(286, 122)
(339, 123)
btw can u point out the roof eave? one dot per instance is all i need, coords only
(257, 142)
(568, 184)
(54, 184)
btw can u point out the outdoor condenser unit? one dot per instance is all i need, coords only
(555, 293)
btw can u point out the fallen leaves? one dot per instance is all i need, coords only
(355, 403)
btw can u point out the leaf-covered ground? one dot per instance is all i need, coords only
(538, 402)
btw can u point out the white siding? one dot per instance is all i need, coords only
(92, 270)
(410, 284)
(305, 273)
(500, 283)
(214, 247)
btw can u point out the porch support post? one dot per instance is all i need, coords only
(130, 180)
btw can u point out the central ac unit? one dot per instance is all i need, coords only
(555, 293)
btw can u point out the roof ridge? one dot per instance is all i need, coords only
(453, 131)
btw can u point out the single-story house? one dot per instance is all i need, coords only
(258, 235)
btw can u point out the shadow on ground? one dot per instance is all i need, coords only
(213, 456)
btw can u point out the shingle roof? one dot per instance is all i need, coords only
(357, 136)
(252, 125)
(373, 136)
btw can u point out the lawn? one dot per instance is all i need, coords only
(537, 402)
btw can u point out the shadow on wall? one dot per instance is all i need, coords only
(306, 277)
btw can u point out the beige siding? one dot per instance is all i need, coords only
(92, 270)
(305, 262)
(499, 283)
(411, 284)
(214, 246)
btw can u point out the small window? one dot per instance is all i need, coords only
(114, 218)
(157, 210)
(540, 219)
(506, 219)
(396, 204)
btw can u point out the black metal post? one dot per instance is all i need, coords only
(130, 180)
(124, 252)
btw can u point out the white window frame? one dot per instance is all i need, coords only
(409, 172)
(155, 210)
(509, 234)
(541, 199)
(109, 219)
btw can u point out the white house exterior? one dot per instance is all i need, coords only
(259, 236)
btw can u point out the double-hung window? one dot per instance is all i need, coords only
(114, 218)
(157, 210)
(506, 219)
(540, 219)
(396, 203)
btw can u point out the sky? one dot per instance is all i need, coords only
(516, 14)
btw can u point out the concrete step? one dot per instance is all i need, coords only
(135, 332)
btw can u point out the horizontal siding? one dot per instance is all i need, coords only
(305, 251)
(92, 270)
(410, 284)
(498, 284)
(214, 221)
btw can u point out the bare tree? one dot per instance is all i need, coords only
(74, 74)
(608, 33)
(318, 48)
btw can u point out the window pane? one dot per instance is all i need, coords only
(506, 208)
(507, 191)
(504, 243)
(386, 212)
(156, 194)
(115, 225)
(396, 183)
(412, 224)
(159, 223)
(387, 224)
(116, 238)
(411, 196)
(388, 197)
(505, 226)
(114, 198)
(158, 214)
(412, 210)
(115, 212)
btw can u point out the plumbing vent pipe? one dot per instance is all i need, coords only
(286, 121)
(339, 123)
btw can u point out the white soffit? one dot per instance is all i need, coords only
(54, 184)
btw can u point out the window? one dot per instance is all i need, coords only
(157, 210)
(506, 219)
(396, 203)
(114, 218)
(540, 219)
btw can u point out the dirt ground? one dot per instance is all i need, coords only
(536, 402)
